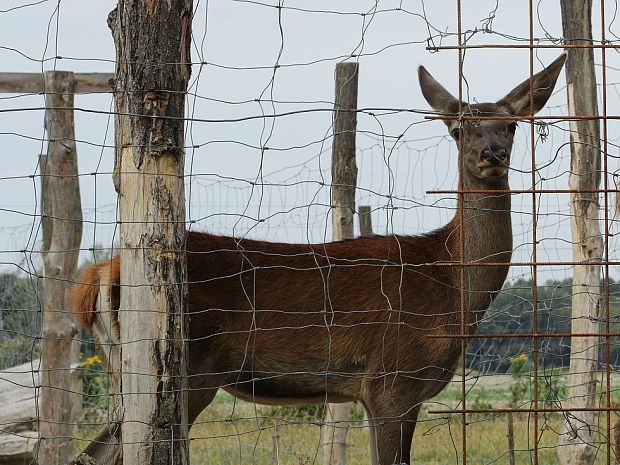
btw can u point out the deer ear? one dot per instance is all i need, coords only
(517, 102)
(435, 94)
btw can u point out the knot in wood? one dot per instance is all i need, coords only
(155, 102)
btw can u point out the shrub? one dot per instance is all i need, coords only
(96, 386)
(18, 350)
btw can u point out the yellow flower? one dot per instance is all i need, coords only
(519, 359)
(92, 360)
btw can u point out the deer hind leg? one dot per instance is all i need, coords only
(391, 429)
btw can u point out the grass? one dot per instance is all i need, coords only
(243, 435)
(233, 432)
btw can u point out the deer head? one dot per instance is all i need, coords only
(485, 145)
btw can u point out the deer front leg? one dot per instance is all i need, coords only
(197, 400)
(391, 429)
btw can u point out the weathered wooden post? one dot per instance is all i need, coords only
(511, 439)
(275, 437)
(153, 67)
(344, 179)
(577, 441)
(61, 217)
(365, 221)
(62, 234)
(344, 168)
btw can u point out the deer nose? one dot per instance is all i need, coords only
(495, 154)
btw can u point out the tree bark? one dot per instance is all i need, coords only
(61, 244)
(344, 179)
(576, 441)
(153, 69)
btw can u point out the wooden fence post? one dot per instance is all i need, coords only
(153, 69)
(365, 221)
(344, 168)
(577, 441)
(275, 437)
(511, 438)
(62, 234)
(344, 180)
(60, 212)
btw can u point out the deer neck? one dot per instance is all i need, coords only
(486, 237)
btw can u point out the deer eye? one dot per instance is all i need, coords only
(512, 127)
(456, 133)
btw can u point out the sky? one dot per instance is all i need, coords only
(402, 155)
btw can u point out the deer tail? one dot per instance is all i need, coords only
(85, 292)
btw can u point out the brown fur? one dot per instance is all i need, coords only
(86, 292)
(353, 320)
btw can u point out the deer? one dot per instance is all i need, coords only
(374, 319)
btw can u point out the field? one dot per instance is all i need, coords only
(235, 432)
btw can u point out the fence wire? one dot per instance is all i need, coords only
(259, 134)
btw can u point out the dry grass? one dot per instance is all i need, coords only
(437, 441)
(233, 432)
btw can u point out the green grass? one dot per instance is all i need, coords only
(233, 432)
(241, 435)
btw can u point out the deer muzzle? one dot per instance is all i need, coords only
(495, 155)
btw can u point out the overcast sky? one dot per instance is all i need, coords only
(236, 45)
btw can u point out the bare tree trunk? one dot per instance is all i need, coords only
(576, 441)
(153, 69)
(344, 179)
(62, 234)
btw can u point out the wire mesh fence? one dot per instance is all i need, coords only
(283, 324)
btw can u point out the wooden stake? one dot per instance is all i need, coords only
(276, 443)
(511, 439)
(62, 229)
(344, 169)
(576, 443)
(344, 179)
(365, 221)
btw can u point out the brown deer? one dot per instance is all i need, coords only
(279, 323)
